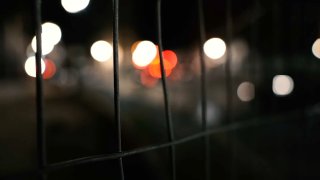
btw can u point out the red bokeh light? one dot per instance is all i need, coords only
(170, 57)
(50, 70)
(170, 60)
(152, 72)
(155, 70)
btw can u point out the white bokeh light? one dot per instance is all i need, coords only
(316, 48)
(74, 6)
(51, 35)
(246, 91)
(47, 47)
(144, 53)
(101, 51)
(30, 66)
(214, 48)
(282, 85)
(51, 32)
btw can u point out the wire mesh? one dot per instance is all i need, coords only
(44, 168)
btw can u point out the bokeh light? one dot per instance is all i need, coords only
(51, 35)
(155, 70)
(47, 47)
(316, 48)
(145, 57)
(74, 6)
(52, 32)
(246, 91)
(170, 57)
(144, 54)
(170, 61)
(214, 48)
(101, 51)
(30, 66)
(146, 80)
(282, 85)
(50, 69)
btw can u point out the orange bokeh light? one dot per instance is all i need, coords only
(50, 70)
(170, 57)
(147, 80)
(170, 60)
(153, 70)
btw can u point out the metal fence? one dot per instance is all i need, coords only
(44, 168)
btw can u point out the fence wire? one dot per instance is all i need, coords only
(43, 168)
(205, 133)
(41, 138)
(203, 90)
(170, 130)
(116, 80)
(253, 123)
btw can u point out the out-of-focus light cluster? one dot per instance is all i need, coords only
(74, 6)
(214, 48)
(282, 85)
(169, 60)
(101, 51)
(145, 57)
(143, 53)
(51, 35)
(48, 67)
(30, 66)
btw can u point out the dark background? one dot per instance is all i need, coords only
(78, 100)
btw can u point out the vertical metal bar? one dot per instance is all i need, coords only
(229, 90)
(116, 79)
(41, 140)
(165, 94)
(203, 88)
